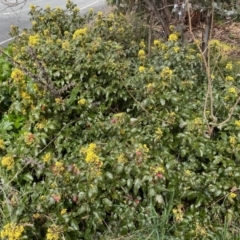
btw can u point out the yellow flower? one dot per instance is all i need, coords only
(178, 213)
(58, 101)
(17, 75)
(237, 123)
(80, 32)
(214, 42)
(12, 231)
(142, 44)
(90, 153)
(33, 40)
(159, 133)
(47, 157)
(65, 45)
(200, 230)
(173, 37)
(2, 144)
(197, 121)
(232, 195)
(100, 14)
(141, 69)
(48, 7)
(8, 162)
(187, 173)
(121, 158)
(63, 211)
(141, 54)
(176, 49)
(32, 7)
(151, 69)
(82, 102)
(232, 90)
(159, 169)
(45, 32)
(91, 10)
(53, 232)
(25, 96)
(229, 78)
(232, 140)
(229, 66)
(36, 216)
(171, 28)
(156, 43)
(58, 167)
(166, 72)
(150, 87)
(76, 10)
(111, 15)
(28, 138)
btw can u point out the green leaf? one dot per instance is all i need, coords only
(106, 202)
(73, 95)
(28, 177)
(74, 224)
(137, 185)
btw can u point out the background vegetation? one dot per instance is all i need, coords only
(102, 135)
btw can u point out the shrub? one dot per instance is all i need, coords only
(104, 133)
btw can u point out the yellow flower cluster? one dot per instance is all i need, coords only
(141, 54)
(12, 231)
(173, 37)
(232, 90)
(63, 211)
(159, 133)
(32, 7)
(25, 96)
(28, 138)
(142, 44)
(150, 87)
(58, 101)
(215, 42)
(237, 123)
(229, 78)
(232, 195)
(166, 72)
(82, 102)
(33, 40)
(91, 157)
(47, 157)
(58, 167)
(80, 32)
(8, 162)
(178, 213)
(66, 45)
(232, 140)
(187, 173)
(54, 232)
(176, 49)
(121, 158)
(90, 153)
(111, 16)
(2, 144)
(17, 75)
(157, 43)
(141, 69)
(158, 169)
(229, 66)
(197, 121)
(200, 230)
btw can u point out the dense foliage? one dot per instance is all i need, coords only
(98, 133)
